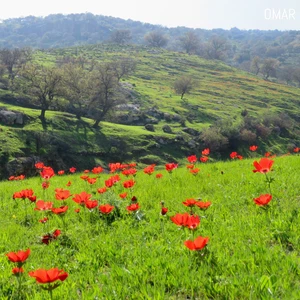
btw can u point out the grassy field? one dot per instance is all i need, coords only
(252, 253)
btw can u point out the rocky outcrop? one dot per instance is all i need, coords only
(8, 117)
(167, 129)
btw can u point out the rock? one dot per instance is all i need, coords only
(149, 127)
(11, 117)
(20, 119)
(167, 129)
(191, 131)
(192, 144)
(21, 165)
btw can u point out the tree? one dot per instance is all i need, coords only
(269, 66)
(189, 42)
(41, 83)
(156, 39)
(183, 85)
(121, 36)
(105, 93)
(123, 67)
(286, 74)
(296, 75)
(256, 65)
(13, 60)
(216, 48)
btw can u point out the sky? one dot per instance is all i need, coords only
(207, 14)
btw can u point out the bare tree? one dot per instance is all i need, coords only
(121, 36)
(269, 67)
(41, 83)
(183, 85)
(156, 39)
(123, 67)
(256, 65)
(190, 42)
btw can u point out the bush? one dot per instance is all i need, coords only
(213, 139)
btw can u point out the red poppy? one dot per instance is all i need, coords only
(189, 202)
(192, 159)
(263, 199)
(190, 166)
(195, 171)
(44, 220)
(206, 151)
(203, 205)
(47, 173)
(84, 177)
(17, 271)
(253, 148)
(106, 209)
(91, 180)
(170, 167)
(198, 244)
(133, 207)
(77, 210)
(129, 172)
(240, 157)
(112, 180)
(46, 239)
(180, 219)
(132, 165)
(59, 210)
(48, 276)
(192, 222)
(86, 171)
(82, 197)
(233, 155)
(102, 190)
(39, 165)
(42, 205)
(90, 204)
(150, 169)
(123, 195)
(72, 170)
(263, 166)
(61, 172)
(69, 183)
(204, 159)
(61, 194)
(296, 150)
(25, 194)
(164, 211)
(45, 184)
(129, 183)
(21, 177)
(18, 257)
(159, 175)
(97, 170)
(11, 178)
(267, 154)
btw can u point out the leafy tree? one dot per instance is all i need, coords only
(216, 48)
(121, 36)
(256, 65)
(156, 39)
(42, 84)
(183, 85)
(190, 42)
(269, 67)
(123, 67)
(286, 74)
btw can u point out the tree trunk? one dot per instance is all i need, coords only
(96, 124)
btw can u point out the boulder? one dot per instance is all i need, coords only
(149, 127)
(167, 129)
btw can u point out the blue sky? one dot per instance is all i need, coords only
(244, 14)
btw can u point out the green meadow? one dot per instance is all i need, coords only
(252, 253)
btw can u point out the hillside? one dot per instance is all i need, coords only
(222, 95)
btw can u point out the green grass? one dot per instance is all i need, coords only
(253, 253)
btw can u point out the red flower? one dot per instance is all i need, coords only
(267, 154)
(84, 177)
(42, 205)
(253, 148)
(97, 170)
(17, 271)
(72, 170)
(106, 209)
(240, 157)
(263, 199)
(296, 150)
(69, 183)
(11, 178)
(112, 180)
(91, 180)
(206, 151)
(171, 166)
(190, 166)
(39, 165)
(45, 184)
(192, 222)
(18, 257)
(123, 195)
(264, 165)
(133, 207)
(129, 172)
(48, 276)
(25, 194)
(47, 173)
(61, 194)
(90, 204)
(102, 190)
(81, 198)
(44, 220)
(60, 210)
(233, 155)
(129, 183)
(150, 169)
(189, 202)
(164, 211)
(192, 159)
(77, 210)
(46, 239)
(159, 175)
(198, 244)
(180, 219)
(203, 205)
(61, 172)
(203, 159)
(195, 171)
